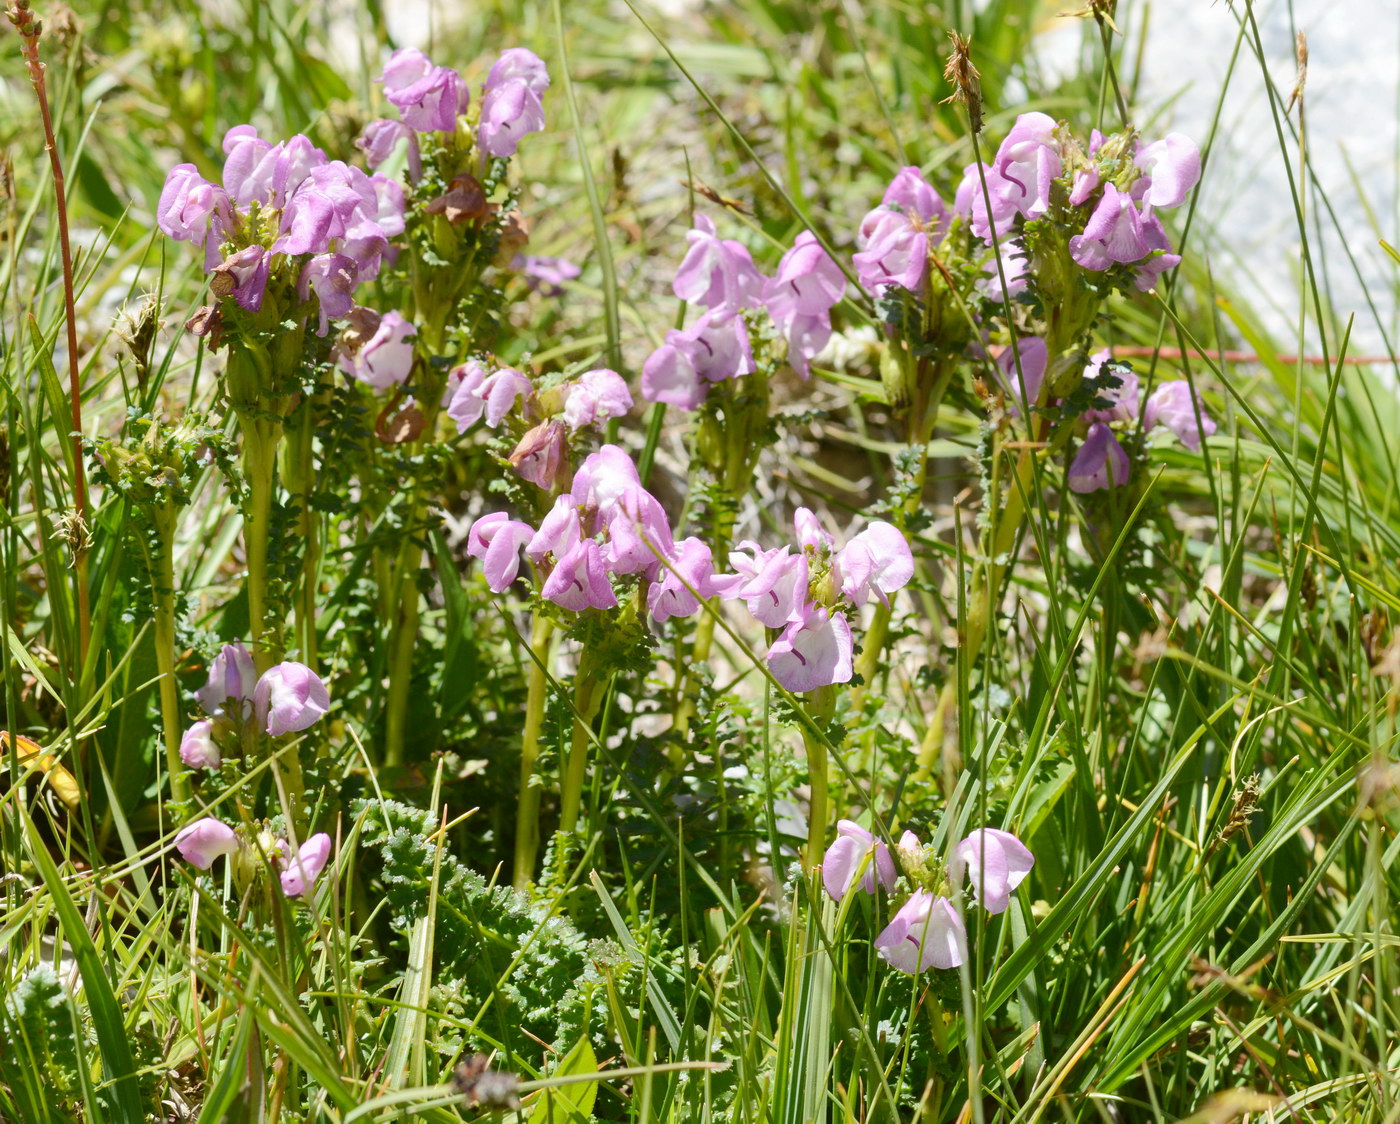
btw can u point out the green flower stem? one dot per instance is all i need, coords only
(821, 705)
(527, 809)
(403, 637)
(160, 564)
(260, 440)
(301, 481)
(589, 690)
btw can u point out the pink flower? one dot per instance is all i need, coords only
(333, 278)
(995, 862)
(1174, 405)
(595, 397)
(813, 652)
(716, 271)
(714, 348)
(772, 582)
(249, 166)
(690, 568)
(878, 561)
(197, 748)
(579, 580)
(386, 359)
(509, 111)
(546, 275)
(301, 870)
(1026, 163)
(496, 540)
(289, 698)
(1123, 399)
(428, 97)
(808, 281)
(893, 252)
(203, 841)
(925, 933)
(1171, 167)
(1147, 272)
(379, 140)
(1100, 462)
(519, 63)
(1112, 234)
(1034, 359)
(474, 392)
(231, 679)
(856, 848)
(193, 210)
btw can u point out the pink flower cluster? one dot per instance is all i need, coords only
(1122, 228)
(926, 931)
(285, 699)
(204, 840)
(894, 238)
(719, 274)
(1101, 461)
(476, 392)
(334, 218)
(806, 592)
(430, 99)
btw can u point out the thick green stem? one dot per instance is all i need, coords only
(401, 645)
(527, 809)
(161, 563)
(588, 694)
(821, 704)
(260, 440)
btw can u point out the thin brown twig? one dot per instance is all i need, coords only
(30, 28)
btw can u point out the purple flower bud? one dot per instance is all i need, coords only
(428, 97)
(690, 569)
(1112, 234)
(333, 278)
(381, 137)
(579, 580)
(197, 748)
(203, 841)
(1086, 181)
(853, 849)
(1174, 405)
(1171, 167)
(925, 933)
(243, 277)
(496, 540)
(1100, 462)
(474, 391)
(289, 698)
(716, 271)
(231, 678)
(813, 652)
(995, 862)
(878, 561)
(595, 397)
(508, 112)
(519, 63)
(301, 870)
(386, 359)
(810, 532)
(1123, 399)
(193, 210)
(540, 454)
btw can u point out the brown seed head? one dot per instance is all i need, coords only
(966, 82)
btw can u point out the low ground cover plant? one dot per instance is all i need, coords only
(518, 618)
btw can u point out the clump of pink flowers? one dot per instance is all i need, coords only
(926, 931)
(205, 840)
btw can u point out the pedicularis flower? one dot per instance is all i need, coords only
(428, 97)
(995, 863)
(203, 841)
(925, 933)
(289, 698)
(385, 359)
(197, 748)
(1100, 462)
(808, 591)
(231, 679)
(1175, 406)
(857, 853)
(300, 870)
(284, 211)
(512, 103)
(474, 391)
(895, 237)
